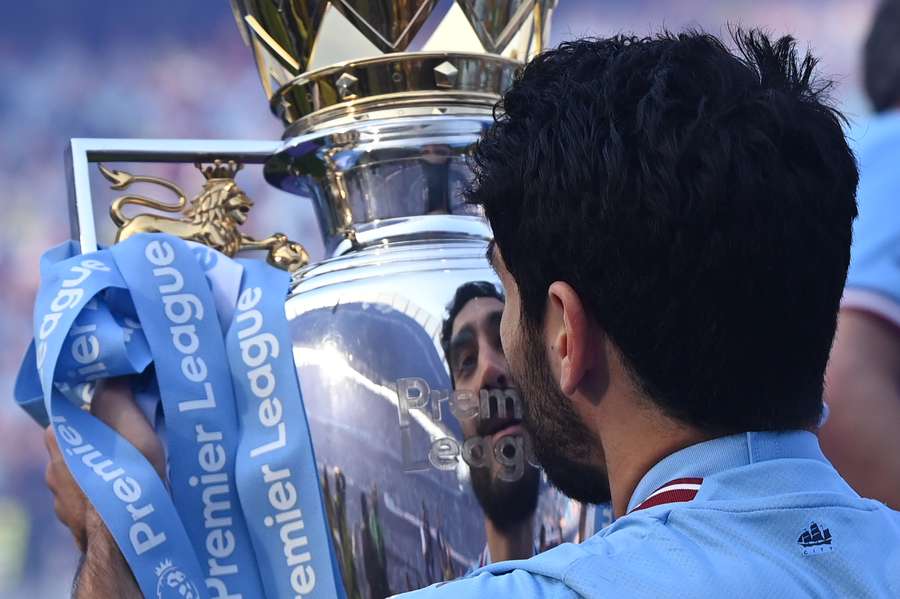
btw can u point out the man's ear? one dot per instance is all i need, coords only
(571, 340)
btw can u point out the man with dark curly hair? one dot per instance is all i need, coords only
(470, 337)
(672, 227)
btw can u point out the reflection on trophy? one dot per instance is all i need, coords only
(421, 471)
(381, 102)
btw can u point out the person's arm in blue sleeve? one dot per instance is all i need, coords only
(862, 389)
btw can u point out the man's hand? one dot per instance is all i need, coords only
(104, 572)
(69, 502)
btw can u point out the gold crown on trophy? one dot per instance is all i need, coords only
(219, 169)
(326, 60)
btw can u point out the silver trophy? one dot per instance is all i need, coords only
(422, 462)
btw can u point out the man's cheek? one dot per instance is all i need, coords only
(504, 331)
(510, 343)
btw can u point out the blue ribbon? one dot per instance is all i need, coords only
(276, 469)
(232, 419)
(175, 305)
(121, 484)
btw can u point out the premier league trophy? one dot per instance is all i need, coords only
(419, 456)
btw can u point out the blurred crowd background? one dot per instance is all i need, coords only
(179, 69)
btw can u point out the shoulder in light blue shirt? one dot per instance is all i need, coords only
(772, 518)
(873, 282)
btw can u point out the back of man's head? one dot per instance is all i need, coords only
(700, 203)
(881, 57)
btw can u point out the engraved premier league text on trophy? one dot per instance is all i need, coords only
(328, 429)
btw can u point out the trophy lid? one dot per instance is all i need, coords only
(323, 61)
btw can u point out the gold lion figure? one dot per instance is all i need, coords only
(212, 218)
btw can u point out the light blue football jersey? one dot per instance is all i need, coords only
(750, 515)
(873, 282)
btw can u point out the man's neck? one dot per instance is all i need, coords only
(517, 542)
(636, 436)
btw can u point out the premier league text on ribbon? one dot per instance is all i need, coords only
(184, 336)
(183, 310)
(235, 428)
(67, 297)
(272, 451)
(86, 351)
(256, 348)
(129, 496)
(125, 488)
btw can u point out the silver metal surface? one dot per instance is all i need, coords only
(361, 174)
(361, 322)
(382, 102)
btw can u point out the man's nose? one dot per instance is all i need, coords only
(493, 369)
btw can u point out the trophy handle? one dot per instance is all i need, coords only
(212, 217)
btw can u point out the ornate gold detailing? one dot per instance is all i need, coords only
(303, 49)
(395, 81)
(212, 217)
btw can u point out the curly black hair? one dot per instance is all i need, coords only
(699, 201)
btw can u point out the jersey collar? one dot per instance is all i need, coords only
(679, 476)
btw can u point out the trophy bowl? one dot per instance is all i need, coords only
(379, 141)
(415, 424)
